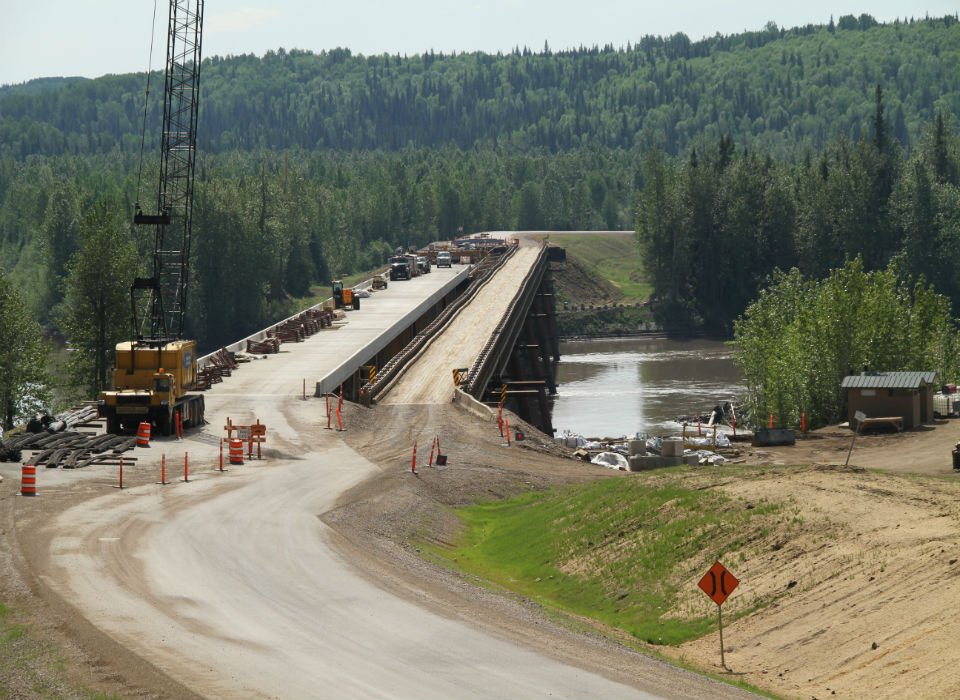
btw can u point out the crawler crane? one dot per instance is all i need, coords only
(157, 368)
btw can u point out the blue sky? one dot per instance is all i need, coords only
(93, 37)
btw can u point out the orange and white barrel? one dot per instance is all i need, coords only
(28, 480)
(143, 434)
(236, 451)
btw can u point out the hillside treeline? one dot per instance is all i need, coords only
(714, 227)
(270, 224)
(783, 92)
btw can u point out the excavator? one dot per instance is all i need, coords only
(157, 369)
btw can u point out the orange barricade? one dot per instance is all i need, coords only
(143, 434)
(236, 451)
(28, 480)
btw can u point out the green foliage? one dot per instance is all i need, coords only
(23, 379)
(617, 550)
(782, 91)
(96, 311)
(802, 336)
(714, 229)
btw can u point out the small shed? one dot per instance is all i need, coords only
(886, 394)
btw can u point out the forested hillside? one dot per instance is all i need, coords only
(782, 91)
(730, 157)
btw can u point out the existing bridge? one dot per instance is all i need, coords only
(494, 322)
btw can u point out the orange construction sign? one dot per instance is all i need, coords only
(256, 432)
(718, 583)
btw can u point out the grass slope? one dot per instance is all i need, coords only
(622, 551)
(614, 258)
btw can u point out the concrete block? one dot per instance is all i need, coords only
(672, 447)
(767, 437)
(637, 447)
(639, 463)
(692, 460)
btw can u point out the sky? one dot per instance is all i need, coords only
(90, 38)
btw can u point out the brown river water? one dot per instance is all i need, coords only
(624, 386)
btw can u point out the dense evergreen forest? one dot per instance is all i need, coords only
(730, 157)
(783, 91)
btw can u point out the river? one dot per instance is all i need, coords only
(628, 385)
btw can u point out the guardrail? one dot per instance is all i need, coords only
(506, 332)
(480, 274)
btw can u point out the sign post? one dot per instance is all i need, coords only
(859, 416)
(718, 583)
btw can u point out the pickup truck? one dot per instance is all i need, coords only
(444, 259)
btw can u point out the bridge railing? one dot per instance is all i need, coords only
(505, 334)
(480, 275)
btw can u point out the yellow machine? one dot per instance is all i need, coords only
(151, 384)
(343, 297)
(156, 369)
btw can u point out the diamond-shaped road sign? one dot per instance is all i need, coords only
(718, 583)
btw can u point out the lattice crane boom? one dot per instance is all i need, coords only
(172, 223)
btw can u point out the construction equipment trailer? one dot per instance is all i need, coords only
(156, 370)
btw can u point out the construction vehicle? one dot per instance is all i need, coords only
(344, 297)
(155, 371)
(399, 268)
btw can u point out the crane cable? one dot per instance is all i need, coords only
(146, 99)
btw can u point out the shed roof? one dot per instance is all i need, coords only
(889, 380)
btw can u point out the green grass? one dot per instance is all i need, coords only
(615, 258)
(618, 550)
(32, 667)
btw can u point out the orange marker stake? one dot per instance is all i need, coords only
(326, 397)
(163, 469)
(734, 421)
(432, 445)
(771, 421)
(413, 467)
(508, 432)
(186, 468)
(500, 417)
(803, 422)
(339, 420)
(221, 455)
